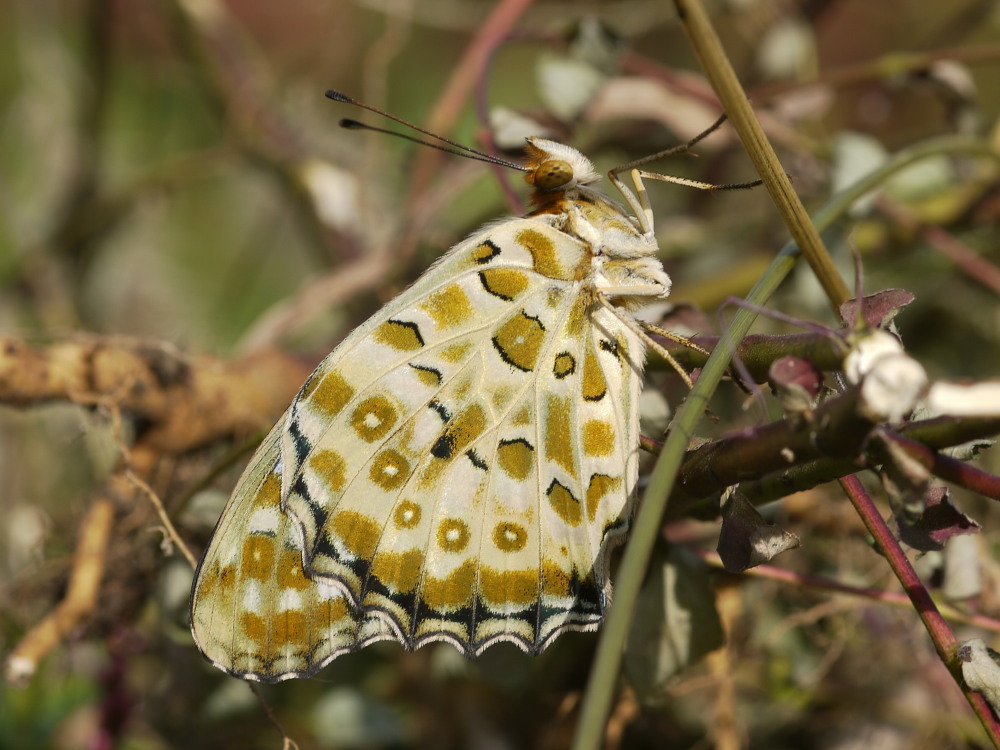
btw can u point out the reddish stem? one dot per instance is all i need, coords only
(948, 468)
(941, 634)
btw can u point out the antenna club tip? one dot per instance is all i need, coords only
(351, 124)
(338, 97)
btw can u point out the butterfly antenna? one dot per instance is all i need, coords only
(453, 147)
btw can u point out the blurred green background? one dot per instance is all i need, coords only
(172, 171)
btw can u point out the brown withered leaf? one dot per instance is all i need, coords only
(746, 539)
(938, 523)
(879, 308)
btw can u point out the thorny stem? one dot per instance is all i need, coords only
(710, 468)
(940, 633)
(948, 468)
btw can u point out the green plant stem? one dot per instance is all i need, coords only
(940, 632)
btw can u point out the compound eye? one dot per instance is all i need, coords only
(553, 174)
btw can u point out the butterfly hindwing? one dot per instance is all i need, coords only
(457, 469)
(255, 613)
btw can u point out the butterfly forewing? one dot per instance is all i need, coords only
(455, 470)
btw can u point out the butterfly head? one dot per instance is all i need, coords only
(554, 167)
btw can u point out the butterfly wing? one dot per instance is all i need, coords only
(454, 470)
(253, 607)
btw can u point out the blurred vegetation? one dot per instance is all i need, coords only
(170, 172)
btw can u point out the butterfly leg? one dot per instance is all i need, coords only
(676, 337)
(640, 331)
(639, 201)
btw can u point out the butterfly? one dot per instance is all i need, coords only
(460, 466)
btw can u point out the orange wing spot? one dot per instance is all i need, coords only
(559, 439)
(333, 611)
(399, 571)
(509, 536)
(331, 466)
(577, 316)
(598, 438)
(373, 418)
(254, 628)
(519, 341)
(290, 574)
(453, 535)
(399, 334)
(508, 587)
(289, 628)
(564, 503)
(455, 353)
(594, 384)
(389, 470)
(460, 432)
(407, 515)
(543, 253)
(448, 307)
(279, 630)
(516, 458)
(216, 582)
(269, 494)
(501, 398)
(453, 591)
(506, 283)
(328, 394)
(257, 560)
(600, 486)
(555, 580)
(357, 532)
(564, 365)
(429, 376)
(485, 252)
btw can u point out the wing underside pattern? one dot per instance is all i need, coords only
(456, 470)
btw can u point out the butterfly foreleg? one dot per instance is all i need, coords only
(625, 317)
(676, 337)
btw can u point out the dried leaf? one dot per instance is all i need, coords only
(675, 623)
(965, 399)
(963, 577)
(877, 309)
(347, 717)
(939, 522)
(746, 539)
(334, 192)
(786, 49)
(980, 670)
(970, 450)
(856, 155)
(510, 128)
(567, 84)
(647, 99)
